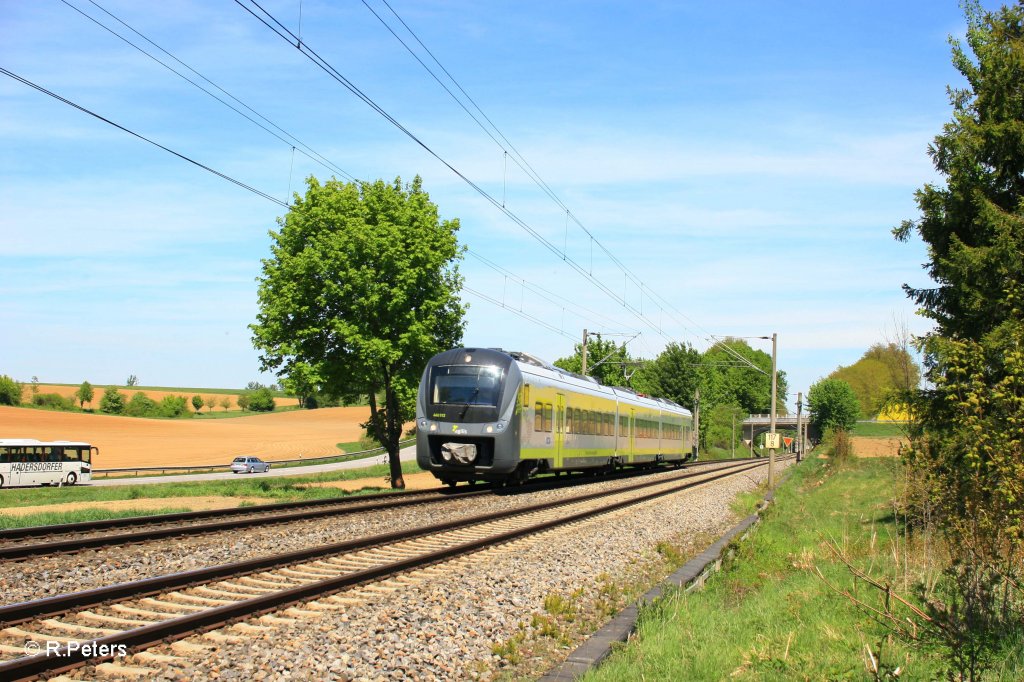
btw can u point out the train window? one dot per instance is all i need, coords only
(547, 416)
(568, 420)
(577, 416)
(526, 395)
(466, 385)
(589, 421)
(538, 417)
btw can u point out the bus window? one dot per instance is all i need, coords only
(5, 456)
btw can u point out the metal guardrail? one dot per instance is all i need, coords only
(227, 467)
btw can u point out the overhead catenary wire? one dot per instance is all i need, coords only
(274, 25)
(142, 137)
(506, 145)
(283, 135)
(528, 169)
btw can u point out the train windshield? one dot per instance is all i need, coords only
(466, 385)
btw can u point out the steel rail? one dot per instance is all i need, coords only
(68, 657)
(313, 509)
(13, 614)
(131, 521)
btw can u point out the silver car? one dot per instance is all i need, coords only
(249, 465)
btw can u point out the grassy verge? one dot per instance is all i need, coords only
(53, 518)
(273, 489)
(768, 615)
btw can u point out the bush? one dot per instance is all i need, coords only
(141, 405)
(833, 405)
(112, 401)
(174, 406)
(10, 391)
(53, 401)
(262, 400)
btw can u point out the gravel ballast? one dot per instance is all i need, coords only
(452, 624)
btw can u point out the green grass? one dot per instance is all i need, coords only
(768, 615)
(272, 489)
(879, 430)
(53, 518)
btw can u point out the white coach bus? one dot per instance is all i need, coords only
(24, 461)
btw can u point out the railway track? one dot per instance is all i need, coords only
(70, 630)
(76, 537)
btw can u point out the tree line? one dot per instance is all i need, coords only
(257, 398)
(727, 388)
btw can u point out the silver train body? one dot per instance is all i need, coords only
(488, 415)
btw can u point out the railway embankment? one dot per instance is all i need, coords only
(788, 604)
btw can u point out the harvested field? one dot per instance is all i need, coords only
(136, 442)
(129, 391)
(875, 447)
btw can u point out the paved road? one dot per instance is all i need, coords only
(407, 453)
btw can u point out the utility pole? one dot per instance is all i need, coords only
(584, 370)
(733, 441)
(799, 427)
(771, 451)
(695, 446)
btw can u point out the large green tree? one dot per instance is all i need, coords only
(833, 405)
(362, 287)
(608, 362)
(674, 374)
(728, 380)
(881, 373)
(967, 437)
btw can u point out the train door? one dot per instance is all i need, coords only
(633, 432)
(559, 428)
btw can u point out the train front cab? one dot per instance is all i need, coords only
(468, 416)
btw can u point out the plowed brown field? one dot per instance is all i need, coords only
(875, 447)
(134, 442)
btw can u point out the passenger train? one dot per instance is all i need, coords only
(484, 414)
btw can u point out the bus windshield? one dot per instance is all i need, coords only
(466, 385)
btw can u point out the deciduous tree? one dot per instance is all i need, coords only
(112, 401)
(833, 405)
(967, 433)
(84, 394)
(10, 391)
(607, 361)
(362, 284)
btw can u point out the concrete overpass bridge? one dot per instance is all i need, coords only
(757, 424)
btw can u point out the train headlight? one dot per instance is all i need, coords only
(488, 429)
(433, 426)
(500, 426)
(423, 423)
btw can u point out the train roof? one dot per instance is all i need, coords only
(531, 363)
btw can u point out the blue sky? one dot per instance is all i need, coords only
(744, 160)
